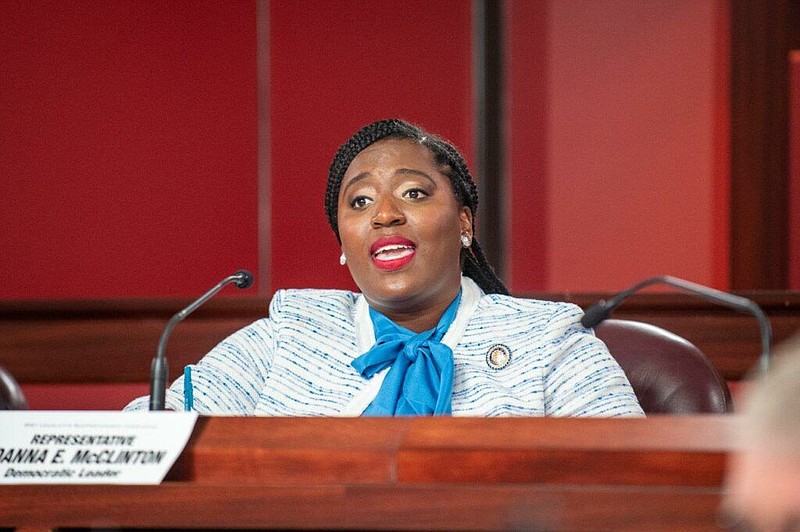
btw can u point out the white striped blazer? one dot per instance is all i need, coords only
(296, 362)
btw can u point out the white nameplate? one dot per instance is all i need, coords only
(67, 447)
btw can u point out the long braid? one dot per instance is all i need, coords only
(455, 167)
(479, 270)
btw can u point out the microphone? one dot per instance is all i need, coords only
(603, 309)
(158, 369)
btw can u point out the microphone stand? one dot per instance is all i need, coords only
(159, 367)
(602, 310)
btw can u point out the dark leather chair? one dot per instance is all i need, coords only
(668, 373)
(11, 396)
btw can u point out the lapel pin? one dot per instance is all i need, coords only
(498, 356)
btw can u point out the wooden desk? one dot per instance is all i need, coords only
(661, 473)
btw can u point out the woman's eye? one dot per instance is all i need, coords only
(416, 193)
(359, 202)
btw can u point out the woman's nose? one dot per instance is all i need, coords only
(387, 213)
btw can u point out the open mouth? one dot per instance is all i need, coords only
(392, 253)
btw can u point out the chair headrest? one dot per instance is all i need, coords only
(669, 374)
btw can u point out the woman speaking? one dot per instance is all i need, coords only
(433, 331)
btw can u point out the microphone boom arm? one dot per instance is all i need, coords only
(159, 367)
(599, 312)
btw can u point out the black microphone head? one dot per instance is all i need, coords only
(245, 279)
(595, 314)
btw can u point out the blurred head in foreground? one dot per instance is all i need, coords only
(763, 484)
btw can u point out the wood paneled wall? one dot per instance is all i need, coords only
(114, 341)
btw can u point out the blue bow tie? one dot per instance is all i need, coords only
(420, 378)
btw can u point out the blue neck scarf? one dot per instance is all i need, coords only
(420, 380)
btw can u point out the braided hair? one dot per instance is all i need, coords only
(452, 165)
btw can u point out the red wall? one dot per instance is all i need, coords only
(619, 151)
(528, 93)
(336, 67)
(129, 155)
(127, 147)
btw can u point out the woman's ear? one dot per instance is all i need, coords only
(465, 215)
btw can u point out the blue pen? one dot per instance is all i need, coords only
(188, 393)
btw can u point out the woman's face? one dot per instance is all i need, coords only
(400, 226)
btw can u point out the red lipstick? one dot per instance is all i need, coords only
(392, 252)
